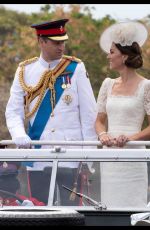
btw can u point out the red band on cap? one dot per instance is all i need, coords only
(59, 31)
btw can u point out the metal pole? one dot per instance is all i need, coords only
(75, 143)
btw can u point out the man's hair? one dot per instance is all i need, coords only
(45, 39)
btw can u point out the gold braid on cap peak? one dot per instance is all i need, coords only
(72, 58)
(47, 80)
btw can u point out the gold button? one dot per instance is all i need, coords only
(52, 130)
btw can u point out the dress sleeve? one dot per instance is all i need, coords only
(147, 98)
(102, 96)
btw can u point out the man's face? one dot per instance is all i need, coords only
(52, 49)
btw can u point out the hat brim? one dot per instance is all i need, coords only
(106, 39)
(59, 38)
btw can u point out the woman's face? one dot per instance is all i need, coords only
(116, 58)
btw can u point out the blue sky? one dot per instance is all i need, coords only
(117, 11)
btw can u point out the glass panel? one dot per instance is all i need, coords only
(116, 185)
(21, 185)
(148, 193)
(121, 185)
(124, 184)
(80, 177)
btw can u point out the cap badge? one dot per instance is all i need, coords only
(61, 28)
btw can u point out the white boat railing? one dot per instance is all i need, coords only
(58, 153)
(75, 143)
(75, 154)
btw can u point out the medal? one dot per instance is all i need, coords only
(68, 85)
(63, 86)
(52, 114)
(67, 99)
(68, 82)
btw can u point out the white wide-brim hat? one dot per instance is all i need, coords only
(124, 33)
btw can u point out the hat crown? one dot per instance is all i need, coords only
(123, 33)
(126, 33)
(54, 30)
(50, 24)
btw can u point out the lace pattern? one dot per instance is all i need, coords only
(147, 97)
(102, 96)
(125, 115)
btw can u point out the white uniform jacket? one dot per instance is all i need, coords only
(71, 122)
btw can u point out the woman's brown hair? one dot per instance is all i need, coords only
(134, 53)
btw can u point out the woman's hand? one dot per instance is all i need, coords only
(106, 139)
(121, 140)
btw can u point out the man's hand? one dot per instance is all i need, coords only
(22, 142)
(25, 203)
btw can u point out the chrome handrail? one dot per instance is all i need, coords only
(74, 143)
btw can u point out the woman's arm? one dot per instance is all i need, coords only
(101, 123)
(101, 129)
(143, 135)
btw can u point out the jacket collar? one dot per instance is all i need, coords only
(48, 65)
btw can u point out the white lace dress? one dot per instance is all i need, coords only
(124, 184)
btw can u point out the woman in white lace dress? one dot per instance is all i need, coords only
(122, 105)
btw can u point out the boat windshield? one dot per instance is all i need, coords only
(104, 179)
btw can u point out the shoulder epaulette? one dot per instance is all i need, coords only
(28, 61)
(72, 58)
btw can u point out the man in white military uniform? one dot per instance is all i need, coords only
(55, 94)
